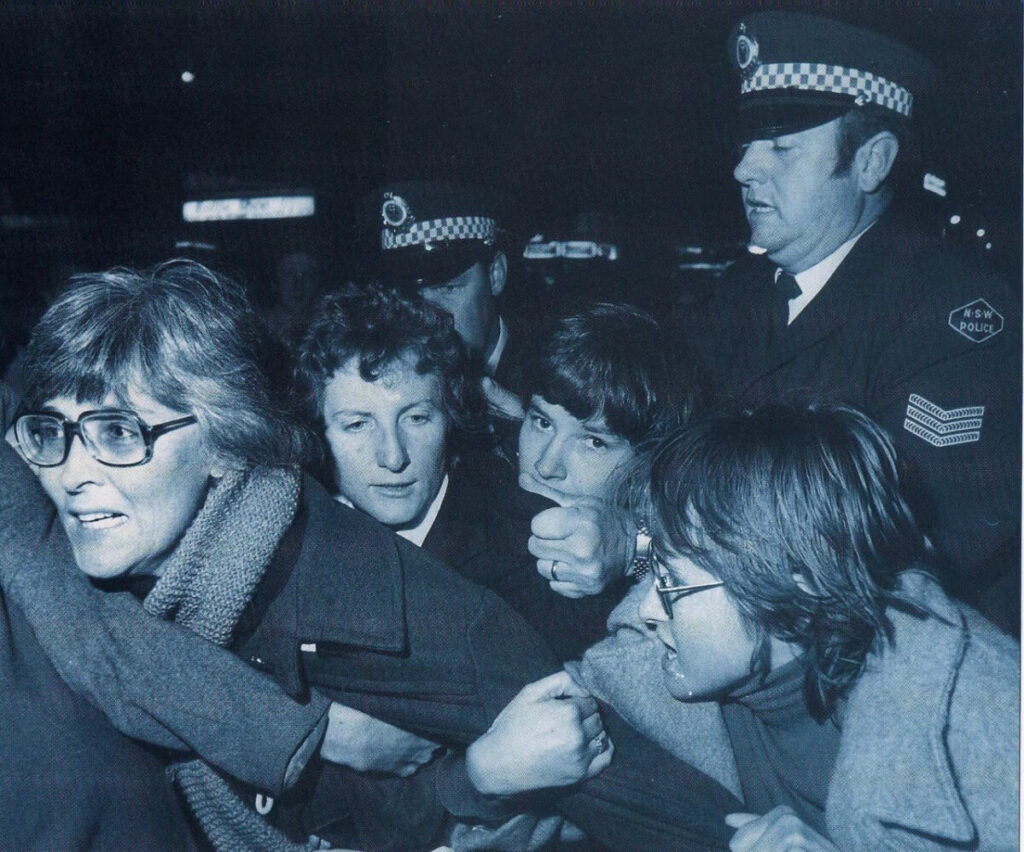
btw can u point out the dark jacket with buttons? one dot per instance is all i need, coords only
(926, 345)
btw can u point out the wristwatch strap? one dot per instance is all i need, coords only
(641, 563)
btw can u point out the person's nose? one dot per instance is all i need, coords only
(651, 612)
(752, 165)
(79, 468)
(551, 462)
(390, 450)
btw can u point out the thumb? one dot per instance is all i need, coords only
(738, 820)
(557, 685)
(554, 524)
(501, 400)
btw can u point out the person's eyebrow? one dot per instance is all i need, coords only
(601, 431)
(428, 401)
(347, 412)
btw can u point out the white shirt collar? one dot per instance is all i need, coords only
(491, 366)
(812, 281)
(417, 534)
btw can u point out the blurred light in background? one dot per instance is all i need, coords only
(265, 207)
(933, 183)
(538, 249)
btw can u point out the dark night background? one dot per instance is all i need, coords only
(604, 121)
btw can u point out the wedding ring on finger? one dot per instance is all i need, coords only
(601, 741)
(554, 573)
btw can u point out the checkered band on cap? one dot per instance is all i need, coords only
(816, 77)
(440, 231)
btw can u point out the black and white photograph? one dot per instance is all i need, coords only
(513, 426)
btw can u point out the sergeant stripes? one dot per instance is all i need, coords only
(941, 427)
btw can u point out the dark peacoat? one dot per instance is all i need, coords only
(482, 531)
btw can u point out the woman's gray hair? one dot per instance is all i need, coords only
(182, 334)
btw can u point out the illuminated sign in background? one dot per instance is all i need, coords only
(266, 207)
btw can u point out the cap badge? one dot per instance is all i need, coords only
(746, 52)
(395, 211)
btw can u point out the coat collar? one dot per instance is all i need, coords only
(896, 716)
(347, 577)
(336, 578)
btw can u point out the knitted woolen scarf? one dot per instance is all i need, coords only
(206, 584)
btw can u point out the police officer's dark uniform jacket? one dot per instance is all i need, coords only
(924, 344)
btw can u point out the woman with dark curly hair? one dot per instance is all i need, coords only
(388, 381)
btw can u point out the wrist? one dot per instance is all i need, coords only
(476, 767)
(344, 733)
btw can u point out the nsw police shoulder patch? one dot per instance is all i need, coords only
(977, 321)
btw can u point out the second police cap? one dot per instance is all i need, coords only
(799, 71)
(431, 231)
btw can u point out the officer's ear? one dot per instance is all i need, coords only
(874, 160)
(497, 272)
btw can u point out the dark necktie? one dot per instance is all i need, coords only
(786, 288)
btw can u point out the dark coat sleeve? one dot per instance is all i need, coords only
(68, 779)
(153, 680)
(947, 386)
(464, 655)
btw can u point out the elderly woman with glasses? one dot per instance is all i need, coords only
(66, 771)
(171, 460)
(155, 431)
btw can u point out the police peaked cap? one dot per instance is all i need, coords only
(800, 71)
(432, 231)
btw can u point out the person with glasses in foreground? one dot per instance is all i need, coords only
(162, 440)
(794, 618)
(171, 461)
(66, 771)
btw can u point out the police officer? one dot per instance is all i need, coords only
(846, 298)
(441, 240)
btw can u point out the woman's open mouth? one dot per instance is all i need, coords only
(101, 520)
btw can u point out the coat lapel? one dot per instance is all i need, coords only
(455, 538)
(896, 717)
(845, 298)
(336, 578)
